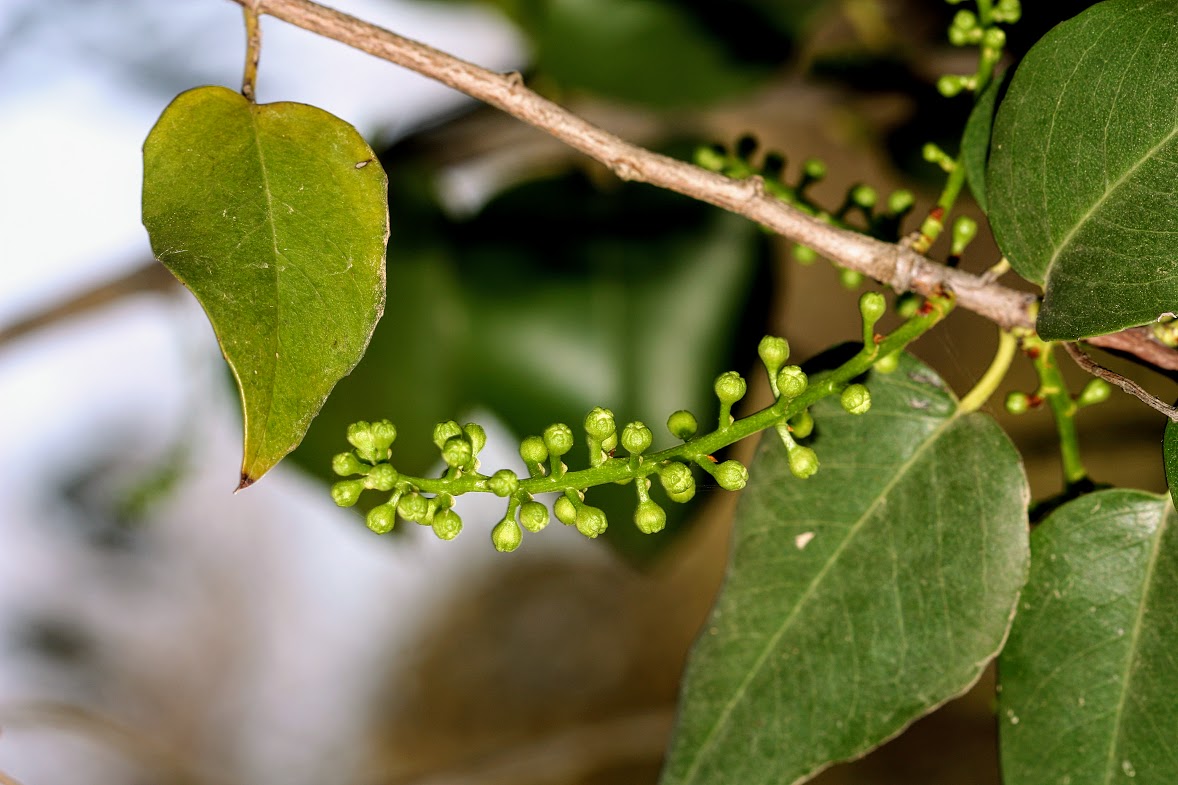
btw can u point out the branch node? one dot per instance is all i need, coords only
(625, 169)
(903, 269)
(514, 79)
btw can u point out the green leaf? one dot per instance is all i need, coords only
(862, 598)
(975, 141)
(1082, 169)
(275, 216)
(1170, 457)
(1089, 679)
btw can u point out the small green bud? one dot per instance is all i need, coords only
(682, 424)
(503, 483)
(711, 157)
(872, 306)
(447, 524)
(901, 201)
(730, 387)
(802, 424)
(477, 435)
(864, 196)
(888, 363)
(856, 399)
(558, 438)
(533, 516)
(677, 481)
(1008, 11)
(1017, 402)
(360, 436)
(773, 352)
(591, 521)
(383, 477)
(935, 155)
(814, 169)
(731, 475)
(1095, 391)
(346, 463)
(457, 451)
(636, 438)
(565, 510)
(994, 38)
(649, 517)
(506, 536)
(965, 20)
(803, 462)
(907, 305)
(413, 507)
(532, 450)
(950, 85)
(600, 424)
(345, 493)
(610, 444)
(384, 433)
(964, 230)
(804, 254)
(791, 381)
(444, 431)
(850, 279)
(381, 518)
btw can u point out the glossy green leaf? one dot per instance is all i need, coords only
(860, 599)
(1089, 679)
(1170, 458)
(275, 216)
(1082, 168)
(975, 141)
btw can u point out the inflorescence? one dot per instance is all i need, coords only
(430, 501)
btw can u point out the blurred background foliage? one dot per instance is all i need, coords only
(527, 285)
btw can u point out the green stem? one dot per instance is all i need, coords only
(973, 400)
(621, 469)
(1053, 389)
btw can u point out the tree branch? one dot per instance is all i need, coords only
(894, 265)
(1128, 385)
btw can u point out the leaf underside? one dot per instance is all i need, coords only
(275, 217)
(1089, 679)
(1083, 162)
(858, 600)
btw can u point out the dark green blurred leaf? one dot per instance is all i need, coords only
(1170, 457)
(1089, 678)
(862, 598)
(275, 217)
(975, 141)
(1081, 174)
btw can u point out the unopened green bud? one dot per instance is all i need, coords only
(814, 169)
(901, 201)
(730, 387)
(413, 507)
(1017, 402)
(682, 424)
(773, 352)
(345, 493)
(591, 521)
(477, 436)
(346, 463)
(994, 38)
(1095, 391)
(964, 230)
(503, 483)
(565, 510)
(791, 382)
(636, 438)
(600, 423)
(677, 481)
(711, 157)
(966, 20)
(533, 516)
(731, 475)
(1008, 11)
(381, 518)
(888, 363)
(872, 306)
(532, 450)
(856, 399)
(447, 524)
(444, 431)
(383, 477)
(803, 462)
(384, 433)
(558, 438)
(950, 85)
(804, 254)
(506, 536)
(457, 451)
(850, 279)
(907, 305)
(802, 424)
(649, 517)
(360, 436)
(864, 196)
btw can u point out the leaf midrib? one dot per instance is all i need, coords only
(852, 533)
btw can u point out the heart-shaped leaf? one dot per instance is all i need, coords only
(862, 598)
(276, 217)
(1089, 679)
(1083, 162)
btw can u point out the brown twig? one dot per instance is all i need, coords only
(1128, 385)
(898, 267)
(253, 48)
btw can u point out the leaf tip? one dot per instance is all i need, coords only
(246, 481)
